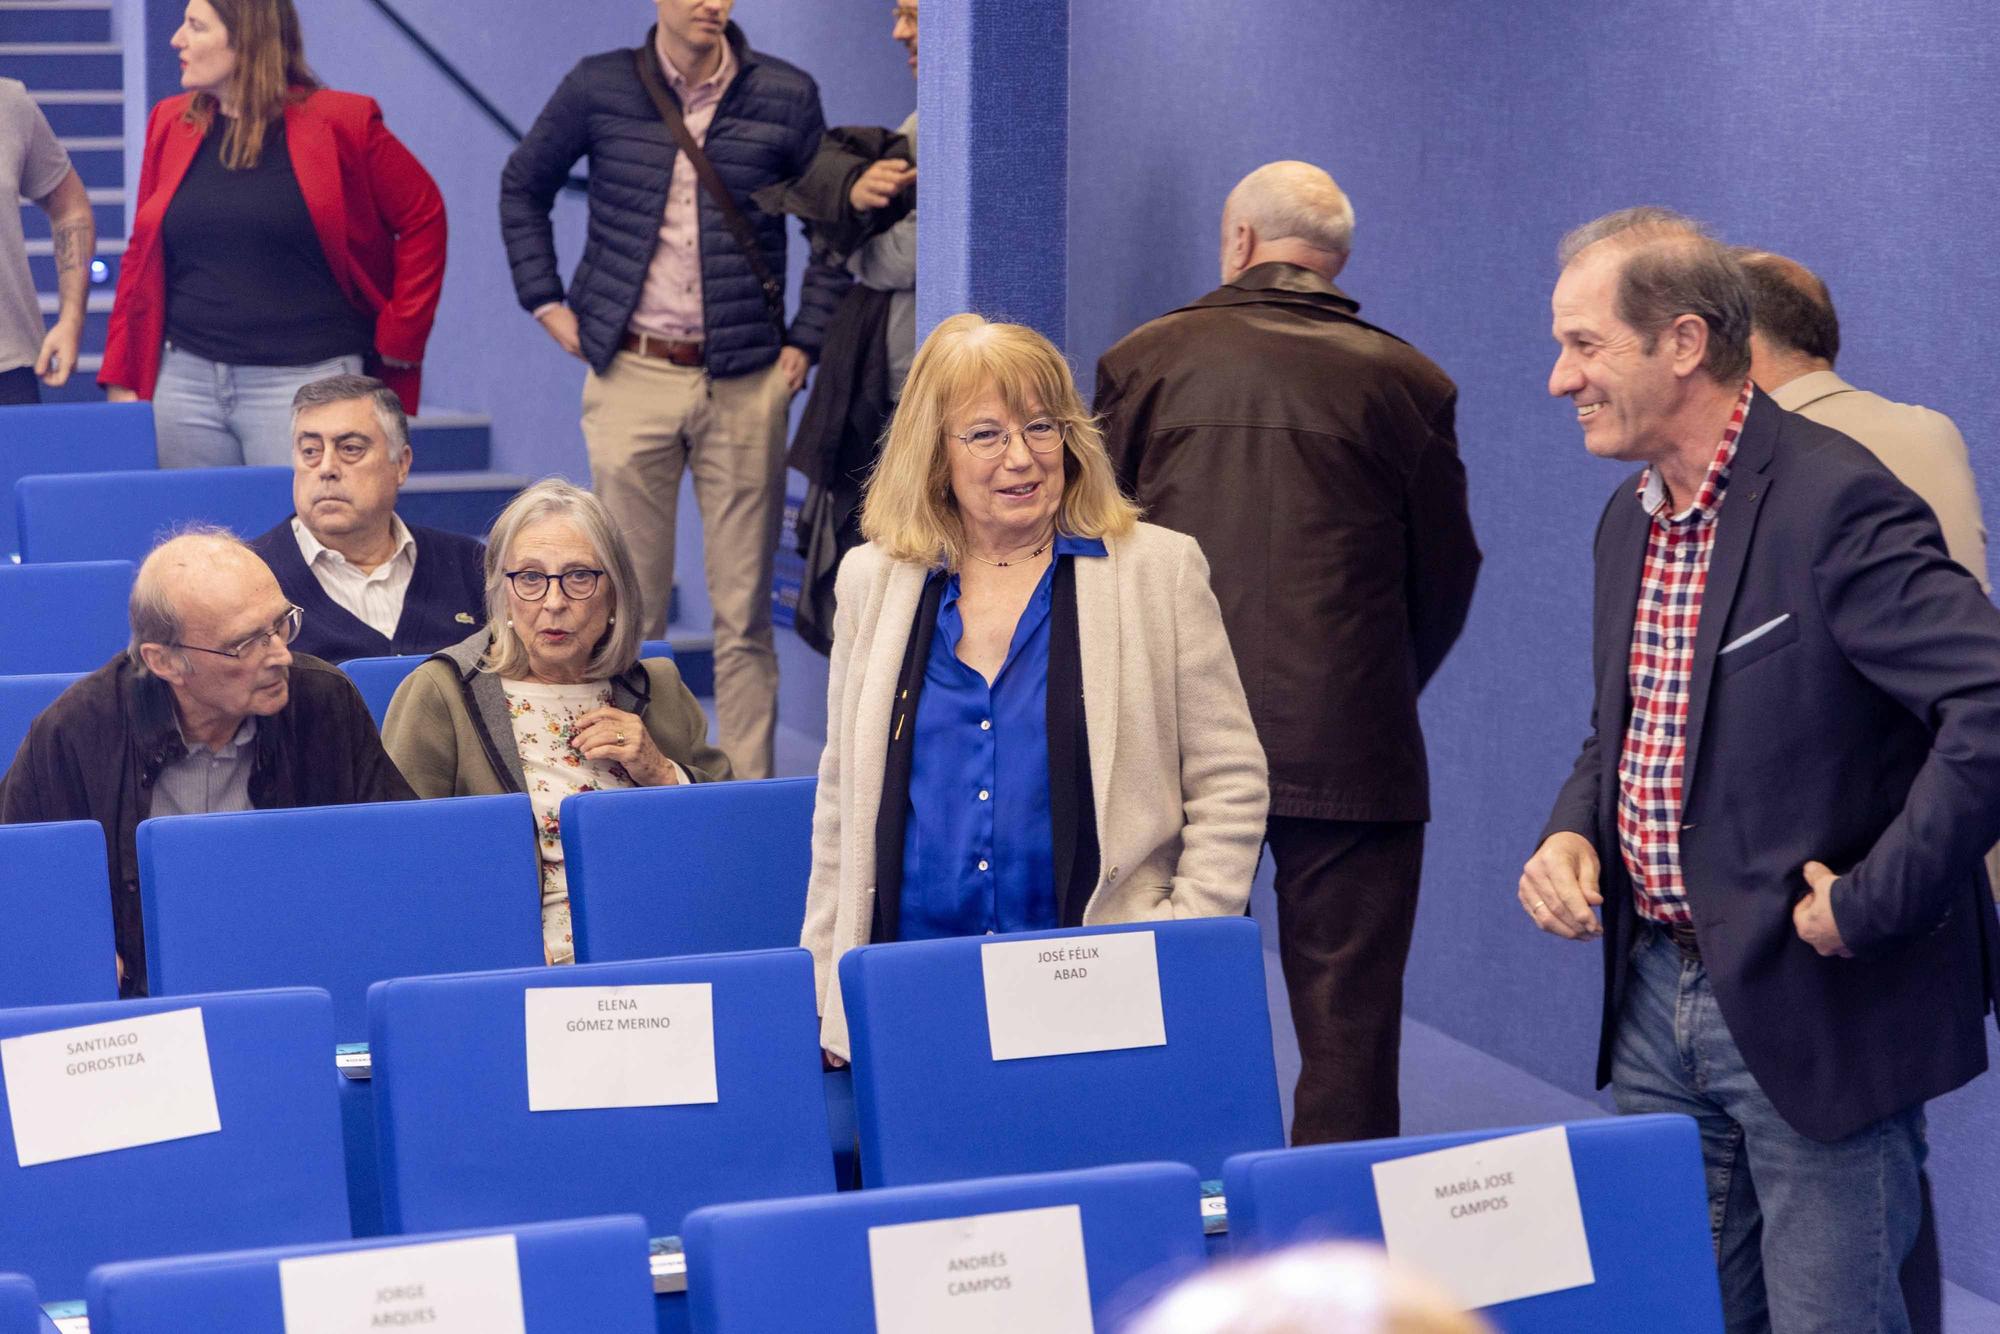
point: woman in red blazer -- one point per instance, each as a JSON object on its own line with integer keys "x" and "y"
{"x": 282, "y": 235}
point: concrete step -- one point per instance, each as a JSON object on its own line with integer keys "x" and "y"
{"x": 97, "y": 111}
{"x": 461, "y": 502}
{"x": 64, "y": 64}
{"x": 55, "y": 20}
{"x": 446, "y": 441}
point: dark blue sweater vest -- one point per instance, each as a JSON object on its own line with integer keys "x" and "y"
{"x": 446, "y": 600}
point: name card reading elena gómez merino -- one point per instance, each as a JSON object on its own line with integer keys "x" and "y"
{"x": 469, "y": 1286}
{"x": 982, "y": 1274}
{"x": 1062, "y": 995}
{"x": 638, "y": 1046}
{"x": 1493, "y": 1221}
{"x": 72, "y": 1092}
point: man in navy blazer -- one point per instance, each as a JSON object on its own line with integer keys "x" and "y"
{"x": 1792, "y": 771}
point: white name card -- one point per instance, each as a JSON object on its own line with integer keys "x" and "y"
{"x": 72, "y": 1092}
{"x": 1490, "y": 1222}
{"x": 446, "y": 1287}
{"x": 1059, "y": 996}
{"x": 982, "y": 1274}
{"x": 638, "y": 1046}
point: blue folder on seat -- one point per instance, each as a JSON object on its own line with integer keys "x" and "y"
{"x": 54, "y": 876}
{"x": 69, "y": 438}
{"x": 123, "y": 515}
{"x": 22, "y": 699}
{"x": 377, "y": 679}
{"x": 582, "y": 1276}
{"x": 933, "y": 1105}
{"x": 271, "y": 1175}
{"x": 63, "y": 617}
{"x": 757, "y": 1268}
{"x": 1645, "y": 1216}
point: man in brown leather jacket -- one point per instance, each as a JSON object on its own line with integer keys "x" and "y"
{"x": 1313, "y": 457}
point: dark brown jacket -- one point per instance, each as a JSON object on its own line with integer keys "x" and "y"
{"x": 1312, "y": 456}
{"x": 95, "y": 753}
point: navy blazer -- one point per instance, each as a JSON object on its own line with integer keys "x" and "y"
{"x": 1860, "y": 728}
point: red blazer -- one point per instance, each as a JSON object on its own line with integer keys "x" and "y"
{"x": 379, "y": 217}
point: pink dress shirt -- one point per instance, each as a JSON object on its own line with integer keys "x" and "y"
{"x": 670, "y": 300}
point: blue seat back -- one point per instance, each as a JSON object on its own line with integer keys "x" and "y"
{"x": 63, "y": 617}
{"x": 933, "y": 1105}
{"x": 1645, "y": 1213}
{"x": 582, "y": 1276}
{"x": 121, "y": 515}
{"x": 69, "y": 438}
{"x": 20, "y": 1312}
{"x": 54, "y": 876}
{"x": 754, "y": 1268}
{"x": 339, "y": 897}
{"x": 271, "y": 1175}
{"x": 22, "y": 699}
{"x": 656, "y": 648}
{"x": 702, "y": 868}
{"x": 459, "y": 1147}
{"x": 377, "y": 679}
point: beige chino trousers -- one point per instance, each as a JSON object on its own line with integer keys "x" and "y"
{"x": 647, "y": 421}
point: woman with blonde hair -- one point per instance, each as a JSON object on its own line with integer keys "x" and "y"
{"x": 1034, "y": 719}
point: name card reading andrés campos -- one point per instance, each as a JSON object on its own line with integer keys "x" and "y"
{"x": 637, "y": 1046}
{"x": 471, "y": 1286}
{"x": 1492, "y": 1222}
{"x": 1062, "y": 995}
{"x": 982, "y": 1274}
{"x": 72, "y": 1092}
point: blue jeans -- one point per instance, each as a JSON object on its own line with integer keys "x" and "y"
{"x": 1808, "y": 1236}
{"x": 207, "y": 414}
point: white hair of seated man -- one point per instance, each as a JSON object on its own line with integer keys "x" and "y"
{"x": 1321, "y": 1288}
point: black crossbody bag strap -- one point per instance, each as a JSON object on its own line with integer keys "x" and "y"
{"x": 704, "y": 170}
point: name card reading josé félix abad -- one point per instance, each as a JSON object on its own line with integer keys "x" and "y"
{"x": 1492, "y": 1222}
{"x": 72, "y": 1092}
{"x": 1063, "y": 995}
{"x": 637, "y": 1046}
{"x": 982, "y": 1274}
{"x": 472, "y": 1286}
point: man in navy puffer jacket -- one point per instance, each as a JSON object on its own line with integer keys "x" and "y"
{"x": 689, "y": 371}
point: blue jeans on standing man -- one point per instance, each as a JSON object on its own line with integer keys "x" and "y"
{"x": 207, "y": 414}
{"x": 1808, "y": 1236}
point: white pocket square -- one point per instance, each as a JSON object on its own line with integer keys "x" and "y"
{"x": 1762, "y": 630}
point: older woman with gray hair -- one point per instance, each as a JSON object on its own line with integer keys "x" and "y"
{"x": 551, "y": 698}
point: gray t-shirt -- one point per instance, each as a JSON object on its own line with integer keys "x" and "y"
{"x": 32, "y": 164}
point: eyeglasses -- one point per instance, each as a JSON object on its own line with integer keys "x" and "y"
{"x": 285, "y": 629}
{"x": 533, "y": 585}
{"x": 990, "y": 442}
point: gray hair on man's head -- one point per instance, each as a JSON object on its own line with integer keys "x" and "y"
{"x": 345, "y": 389}
{"x": 554, "y": 498}
{"x": 1674, "y": 267}
{"x": 150, "y": 609}
{"x": 1283, "y": 200}
{"x": 1320, "y": 1288}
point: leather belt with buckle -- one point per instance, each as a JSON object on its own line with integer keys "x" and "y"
{"x": 1683, "y": 937}
{"x": 678, "y": 351}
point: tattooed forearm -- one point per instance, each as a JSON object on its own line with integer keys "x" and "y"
{"x": 73, "y": 242}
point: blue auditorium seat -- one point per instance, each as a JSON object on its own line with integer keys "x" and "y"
{"x": 933, "y": 1105}
{"x": 1645, "y": 1214}
{"x": 753, "y": 1268}
{"x": 271, "y": 1176}
{"x": 122, "y": 515}
{"x": 69, "y": 438}
{"x": 22, "y": 699}
{"x": 63, "y": 617}
{"x": 702, "y": 868}
{"x": 656, "y": 648}
{"x": 377, "y": 679}
{"x": 586, "y": 1276}
{"x": 20, "y": 1312}
{"x": 54, "y": 876}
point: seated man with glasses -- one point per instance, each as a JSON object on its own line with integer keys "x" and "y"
{"x": 207, "y": 710}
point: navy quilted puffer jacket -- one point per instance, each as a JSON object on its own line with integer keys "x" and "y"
{"x": 766, "y": 130}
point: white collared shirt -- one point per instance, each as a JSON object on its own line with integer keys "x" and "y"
{"x": 375, "y": 597}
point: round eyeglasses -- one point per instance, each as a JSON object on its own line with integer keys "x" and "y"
{"x": 989, "y": 442}
{"x": 533, "y": 585}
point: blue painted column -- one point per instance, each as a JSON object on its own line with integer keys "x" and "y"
{"x": 993, "y": 162}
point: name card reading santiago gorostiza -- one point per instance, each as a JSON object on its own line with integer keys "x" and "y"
{"x": 470, "y": 1286}
{"x": 1068, "y": 994}
{"x": 651, "y": 1045}
{"x": 982, "y": 1274}
{"x": 73, "y": 1092}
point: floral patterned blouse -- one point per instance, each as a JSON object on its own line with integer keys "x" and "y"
{"x": 545, "y": 720}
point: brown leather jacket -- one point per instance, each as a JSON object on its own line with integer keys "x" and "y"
{"x": 1312, "y": 455}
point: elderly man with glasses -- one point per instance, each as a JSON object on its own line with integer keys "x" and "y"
{"x": 207, "y": 710}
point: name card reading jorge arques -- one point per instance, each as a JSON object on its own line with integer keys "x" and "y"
{"x": 1493, "y": 1221}
{"x": 72, "y": 1092}
{"x": 638, "y": 1046}
{"x": 470, "y": 1286}
{"x": 982, "y": 1274}
{"x": 1062, "y": 995}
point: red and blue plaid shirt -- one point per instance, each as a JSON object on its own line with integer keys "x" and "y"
{"x": 1650, "y": 776}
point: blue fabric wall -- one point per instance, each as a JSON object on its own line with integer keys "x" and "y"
{"x": 1853, "y": 134}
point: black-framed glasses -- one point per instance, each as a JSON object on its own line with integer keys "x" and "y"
{"x": 533, "y": 585}
{"x": 285, "y": 629}
{"x": 1044, "y": 435}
